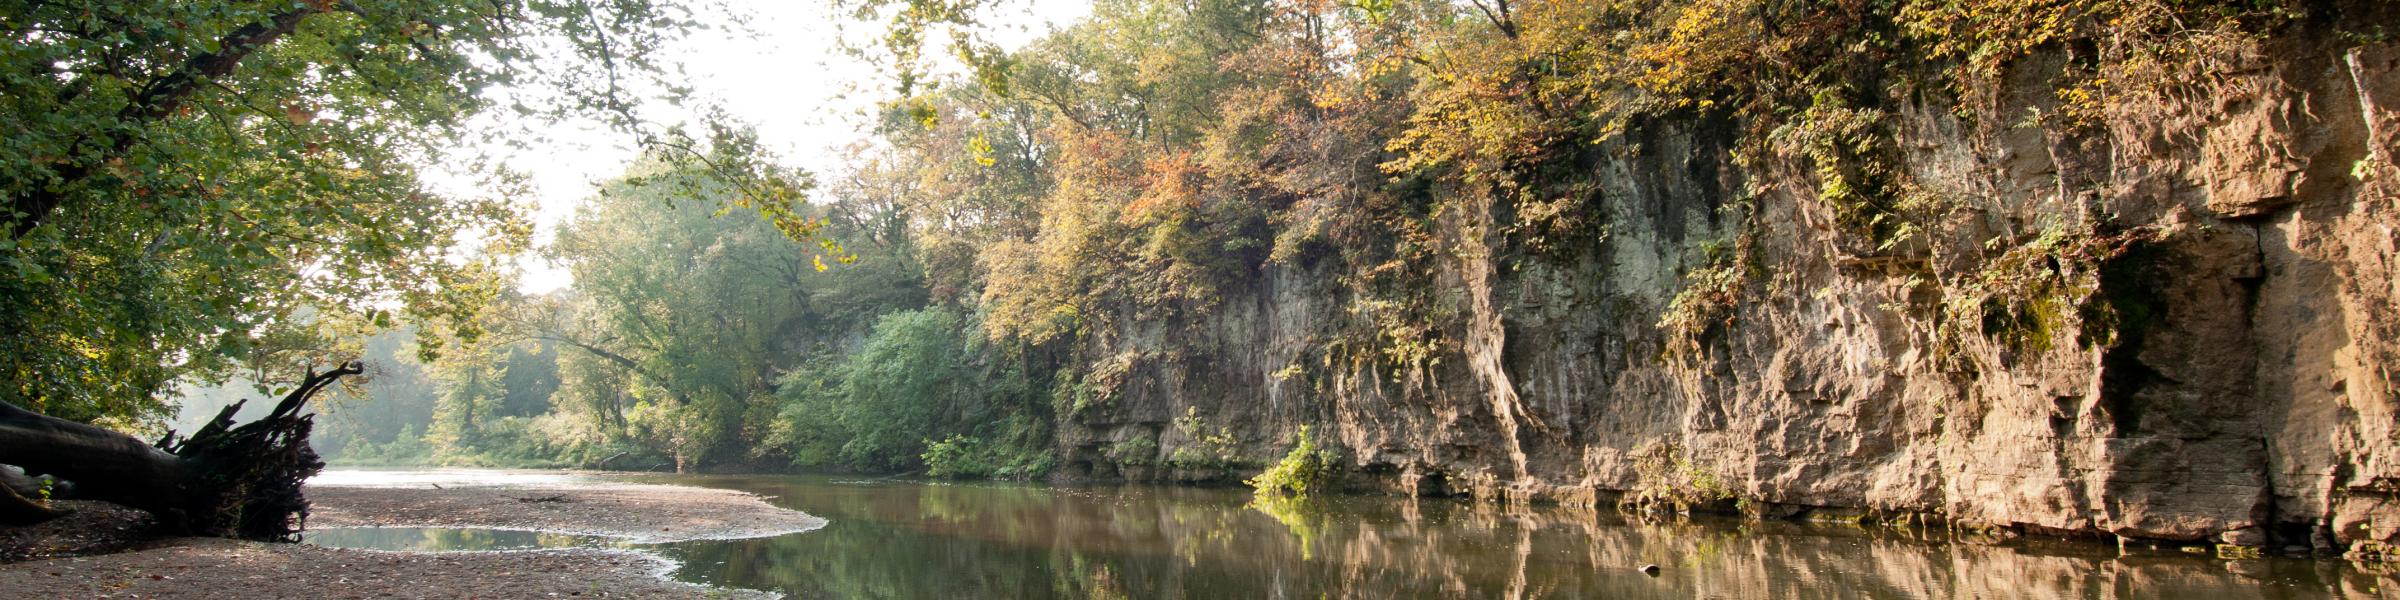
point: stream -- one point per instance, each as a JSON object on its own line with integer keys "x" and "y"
{"x": 905, "y": 538}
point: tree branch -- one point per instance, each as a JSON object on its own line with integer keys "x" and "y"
{"x": 1497, "y": 12}
{"x": 155, "y": 101}
{"x": 630, "y": 365}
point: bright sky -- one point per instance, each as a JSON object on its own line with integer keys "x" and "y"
{"x": 808, "y": 99}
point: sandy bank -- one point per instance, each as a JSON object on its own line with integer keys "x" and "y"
{"x": 640, "y": 513}
{"x": 229, "y": 569}
{"x": 212, "y": 568}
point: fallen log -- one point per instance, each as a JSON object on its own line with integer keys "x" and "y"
{"x": 221, "y": 481}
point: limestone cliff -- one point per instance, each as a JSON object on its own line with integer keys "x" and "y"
{"x": 2168, "y": 320}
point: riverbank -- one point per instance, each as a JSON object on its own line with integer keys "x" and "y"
{"x": 640, "y": 513}
{"x": 204, "y": 568}
{"x": 214, "y": 568}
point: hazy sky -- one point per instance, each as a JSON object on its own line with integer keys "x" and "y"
{"x": 791, "y": 80}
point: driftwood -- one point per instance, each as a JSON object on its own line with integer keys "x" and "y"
{"x": 221, "y": 481}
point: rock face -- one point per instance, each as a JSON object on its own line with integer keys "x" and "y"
{"x": 2175, "y": 322}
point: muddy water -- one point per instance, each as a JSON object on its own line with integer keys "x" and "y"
{"x": 893, "y": 538}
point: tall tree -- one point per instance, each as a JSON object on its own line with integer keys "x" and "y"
{"x": 181, "y": 177}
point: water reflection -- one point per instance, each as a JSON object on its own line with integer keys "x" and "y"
{"x": 449, "y": 539}
{"x": 918, "y": 540}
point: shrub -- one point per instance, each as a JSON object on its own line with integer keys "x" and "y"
{"x": 957, "y": 457}
{"x": 407, "y": 447}
{"x": 1137, "y": 450}
{"x": 1304, "y": 470}
{"x": 1209, "y": 448}
{"x": 964, "y": 457}
{"x": 1669, "y": 480}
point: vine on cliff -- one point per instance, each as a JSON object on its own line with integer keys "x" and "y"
{"x": 1706, "y": 306}
{"x": 2036, "y": 291}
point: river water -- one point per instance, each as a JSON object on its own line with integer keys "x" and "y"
{"x": 897, "y": 538}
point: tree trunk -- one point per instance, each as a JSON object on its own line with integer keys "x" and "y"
{"x": 222, "y": 481}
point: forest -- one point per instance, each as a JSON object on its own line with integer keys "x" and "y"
{"x": 1417, "y": 298}
{"x": 932, "y": 307}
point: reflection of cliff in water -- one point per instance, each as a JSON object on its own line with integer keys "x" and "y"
{"x": 910, "y": 539}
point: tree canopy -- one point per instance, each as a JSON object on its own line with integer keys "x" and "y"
{"x": 194, "y": 187}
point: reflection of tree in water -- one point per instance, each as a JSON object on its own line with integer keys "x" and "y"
{"x": 1295, "y": 513}
{"x": 1085, "y": 579}
{"x": 462, "y": 539}
{"x": 1206, "y": 531}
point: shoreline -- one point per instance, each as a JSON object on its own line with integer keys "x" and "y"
{"x": 580, "y": 504}
{"x": 636, "y": 512}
